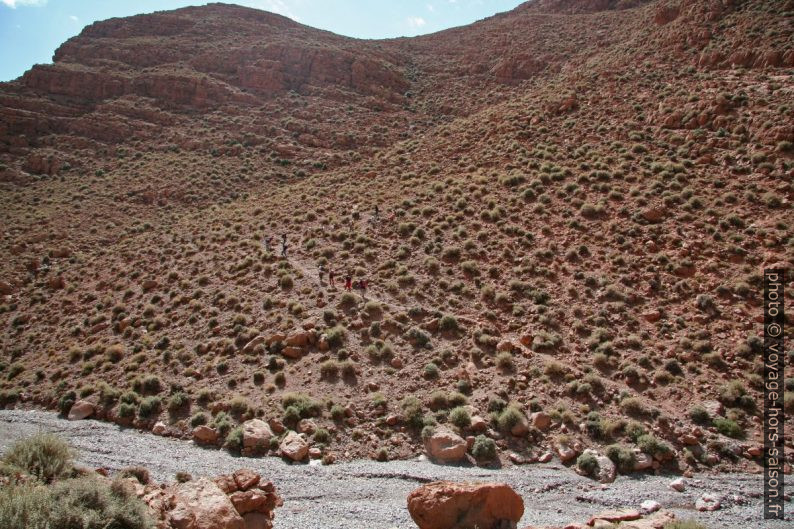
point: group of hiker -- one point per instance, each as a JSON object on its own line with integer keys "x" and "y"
{"x": 284, "y": 246}
{"x": 349, "y": 283}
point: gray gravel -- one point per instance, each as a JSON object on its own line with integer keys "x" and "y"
{"x": 372, "y": 495}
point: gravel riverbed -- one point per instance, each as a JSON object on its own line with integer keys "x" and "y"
{"x": 368, "y": 494}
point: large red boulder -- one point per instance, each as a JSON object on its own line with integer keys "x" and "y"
{"x": 449, "y": 505}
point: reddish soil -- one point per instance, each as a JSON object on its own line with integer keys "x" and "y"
{"x": 576, "y": 203}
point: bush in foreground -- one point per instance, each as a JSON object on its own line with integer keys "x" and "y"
{"x": 83, "y": 503}
{"x": 44, "y": 456}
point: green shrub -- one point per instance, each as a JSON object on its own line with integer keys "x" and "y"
{"x": 140, "y": 474}
{"x": 484, "y": 448}
{"x": 335, "y": 336}
{"x": 587, "y": 464}
{"x": 412, "y": 410}
{"x": 448, "y": 323}
{"x": 127, "y": 410}
{"x": 177, "y": 401}
{"x": 199, "y": 419}
{"x": 728, "y": 428}
{"x": 505, "y": 360}
{"x": 652, "y": 446}
{"x": 509, "y": 417}
{"x": 460, "y": 417}
{"x": 66, "y": 402}
{"x": 234, "y": 440}
{"x": 622, "y": 456}
{"x": 305, "y": 405}
{"x": 149, "y": 407}
{"x": 431, "y": 370}
{"x": 684, "y": 524}
{"x": 44, "y": 456}
{"x": 699, "y": 415}
{"x": 84, "y": 503}
{"x": 322, "y": 436}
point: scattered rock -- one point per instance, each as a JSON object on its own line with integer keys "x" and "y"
{"x": 708, "y": 502}
{"x": 649, "y": 506}
{"x": 541, "y": 421}
{"x": 294, "y": 447}
{"x": 448, "y": 505}
{"x": 200, "y": 504}
{"x": 256, "y": 435}
{"x": 678, "y": 485}
{"x": 445, "y": 446}
{"x": 621, "y": 515}
{"x": 82, "y": 409}
{"x": 205, "y": 435}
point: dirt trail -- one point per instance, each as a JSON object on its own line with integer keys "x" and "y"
{"x": 369, "y": 494}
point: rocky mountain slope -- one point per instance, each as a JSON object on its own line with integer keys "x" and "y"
{"x": 576, "y": 200}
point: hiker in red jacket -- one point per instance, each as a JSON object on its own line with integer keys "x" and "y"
{"x": 331, "y": 276}
{"x": 348, "y": 282}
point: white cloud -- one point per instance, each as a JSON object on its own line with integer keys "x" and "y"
{"x": 431, "y": 8}
{"x": 416, "y": 22}
{"x": 14, "y": 3}
{"x": 73, "y": 18}
{"x": 282, "y": 7}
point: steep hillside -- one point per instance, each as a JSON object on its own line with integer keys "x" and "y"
{"x": 575, "y": 203}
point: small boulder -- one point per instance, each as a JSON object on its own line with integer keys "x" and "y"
{"x": 708, "y": 502}
{"x": 541, "y": 421}
{"x": 245, "y": 478}
{"x": 678, "y": 485}
{"x": 448, "y": 505}
{"x": 205, "y": 435}
{"x": 200, "y": 504}
{"x": 445, "y": 446}
{"x": 294, "y": 447}
{"x": 82, "y": 409}
{"x": 650, "y": 506}
{"x": 566, "y": 453}
{"x": 614, "y": 517}
{"x": 256, "y": 435}
{"x": 159, "y": 428}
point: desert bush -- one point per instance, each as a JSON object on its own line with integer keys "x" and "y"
{"x": 728, "y": 428}
{"x": 622, "y": 456}
{"x": 699, "y": 415}
{"x": 335, "y": 336}
{"x": 140, "y": 474}
{"x": 431, "y": 370}
{"x": 303, "y": 404}
{"x": 44, "y": 456}
{"x": 652, "y": 445}
{"x": 509, "y": 417}
{"x": 684, "y": 524}
{"x": 484, "y": 448}
{"x": 504, "y": 360}
{"x": 412, "y": 410}
{"x": 460, "y": 417}
{"x": 84, "y": 503}
{"x": 587, "y": 464}
{"x": 149, "y": 406}
{"x": 234, "y": 440}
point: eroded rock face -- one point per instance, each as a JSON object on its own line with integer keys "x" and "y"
{"x": 449, "y": 505}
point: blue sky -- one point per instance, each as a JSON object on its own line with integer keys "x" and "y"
{"x": 31, "y": 30}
